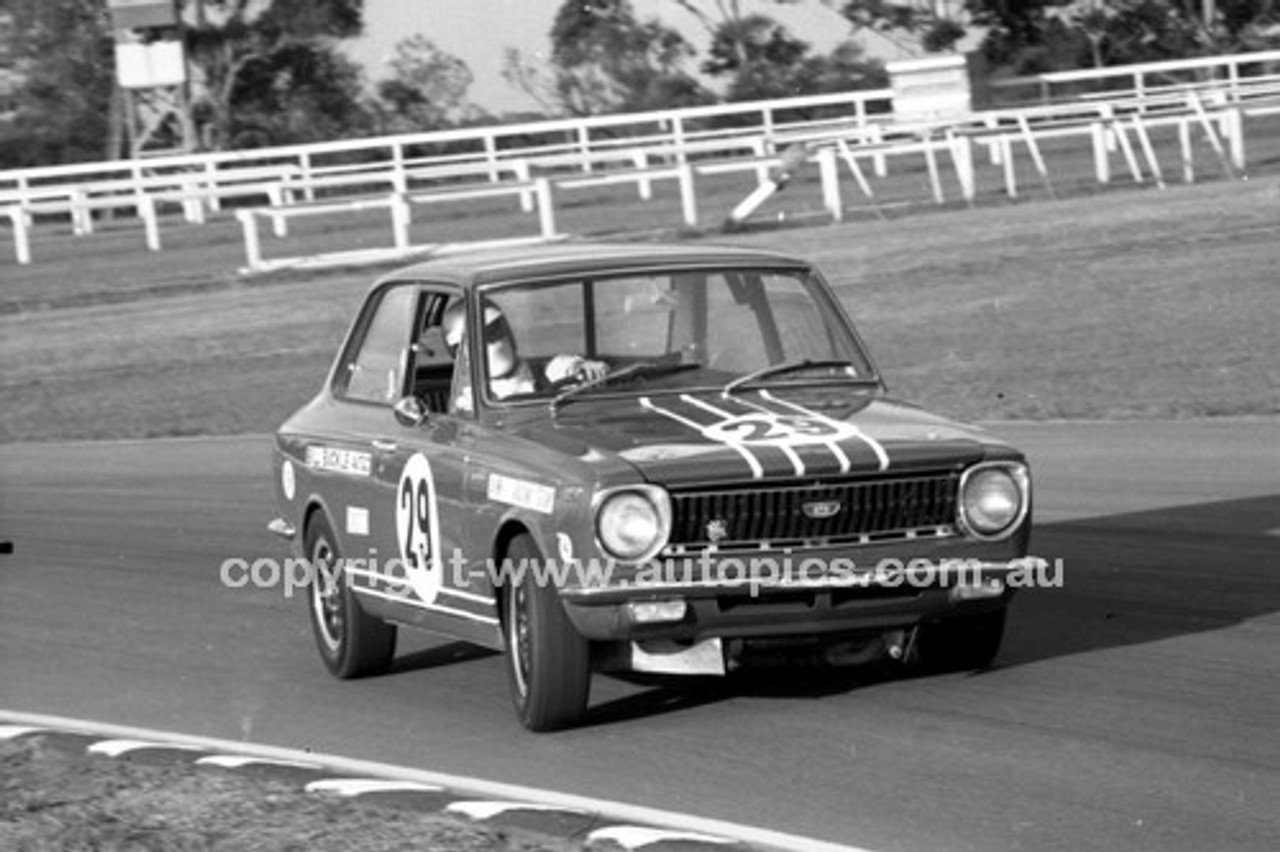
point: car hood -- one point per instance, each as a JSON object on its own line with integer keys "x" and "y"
{"x": 688, "y": 439}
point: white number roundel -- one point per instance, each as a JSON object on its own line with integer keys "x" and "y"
{"x": 417, "y": 528}
{"x": 765, "y": 428}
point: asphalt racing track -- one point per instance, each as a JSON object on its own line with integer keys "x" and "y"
{"x": 1135, "y": 708}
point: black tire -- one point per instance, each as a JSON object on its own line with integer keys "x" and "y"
{"x": 960, "y": 643}
{"x": 548, "y": 662}
{"x": 351, "y": 642}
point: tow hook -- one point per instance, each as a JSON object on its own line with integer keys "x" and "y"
{"x": 901, "y": 645}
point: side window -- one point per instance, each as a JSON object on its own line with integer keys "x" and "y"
{"x": 375, "y": 371}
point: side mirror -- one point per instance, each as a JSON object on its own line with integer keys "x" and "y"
{"x": 410, "y": 411}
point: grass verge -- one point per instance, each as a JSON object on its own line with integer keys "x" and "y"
{"x": 1131, "y": 304}
{"x": 56, "y": 798}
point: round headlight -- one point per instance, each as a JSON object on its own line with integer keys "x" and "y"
{"x": 991, "y": 500}
{"x": 629, "y": 525}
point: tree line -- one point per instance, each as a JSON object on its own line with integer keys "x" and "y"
{"x": 271, "y": 72}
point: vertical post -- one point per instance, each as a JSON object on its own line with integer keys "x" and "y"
{"x": 1188, "y": 157}
{"x": 879, "y": 162}
{"x": 309, "y": 190}
{"x": 21, "y": 219}
{"x": 830, "y": 184}
{"x": 400, "y": 220}
{"x": 1006, "y": 157}
{"x": 252, "y": 248}
{"x": 546, "y": 207}
{"x": 147, "y": 210}
{"x": 688, "y": 199}
{"x": 1234, "y": 117}
{"x": 522, "y": 172}
{"x": 81, "y": 215}
{"x": 678, "y": 137}
{"x": 1101, "y": 159}
{"x": 491, "y": 157}
{"x": 399, "y": 176}
{"x": 962, "y": 158}
{"x": 640, "y": 160}
{"x": 211, "y": 173}
{"x": 584, "y": 147}
{"x": 931, "y": 160}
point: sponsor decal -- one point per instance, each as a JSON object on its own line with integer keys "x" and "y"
{"x": 338, "y": 460}
{"x": 357, "y": 520}
{"x": 418, "y": 528}
{"x": 522, "y": 493}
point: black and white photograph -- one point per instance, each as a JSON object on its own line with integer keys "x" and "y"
{"x": 639, "y": 425}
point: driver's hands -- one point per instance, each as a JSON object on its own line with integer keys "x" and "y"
{"x": 564, "y": 367}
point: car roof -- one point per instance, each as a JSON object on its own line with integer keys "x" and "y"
{"x": 483, "y": 266}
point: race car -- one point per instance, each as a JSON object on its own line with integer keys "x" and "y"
{"x": 661, "y": 458}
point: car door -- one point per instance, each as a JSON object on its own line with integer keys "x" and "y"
{"x": 413, "y": 507}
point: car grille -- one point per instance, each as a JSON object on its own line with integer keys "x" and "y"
{"x": 751, "y": 517}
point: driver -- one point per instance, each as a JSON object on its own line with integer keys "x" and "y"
{"x": 509, "y": 374}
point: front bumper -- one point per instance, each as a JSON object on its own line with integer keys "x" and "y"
{"x": 873, "y": 589}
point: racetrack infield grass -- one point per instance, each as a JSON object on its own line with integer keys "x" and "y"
{"x": 1131, "y": 304}
{"x": 56, "y": 798}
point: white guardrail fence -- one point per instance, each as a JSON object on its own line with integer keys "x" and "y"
{"x": 536, "y": 162}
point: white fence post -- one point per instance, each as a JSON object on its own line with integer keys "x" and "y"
{"x": 252, "y": 248}
{"x": 1234, "y": 118}
{"x": 688, "y": 197}
{"x": 1188, "y": 156}
{"x": 400, "y": 217}
{"x": 829, "y": 171}
{"x": 21, "y": 220}
{"x": 147, "y": 210}
{"x": 1101, "y": 159}
{"x": 546, "y": 207}
{"x": 523, "y": 173}
{"x": 962, "y": 157}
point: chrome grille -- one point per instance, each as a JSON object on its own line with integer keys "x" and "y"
{"x": 751, "y": 516}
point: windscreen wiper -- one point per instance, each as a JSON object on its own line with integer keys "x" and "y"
{"x": 640, "y": 368}
{"x": 794, "y": 367}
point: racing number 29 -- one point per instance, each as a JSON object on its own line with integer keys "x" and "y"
{"x": 415, "y": 508}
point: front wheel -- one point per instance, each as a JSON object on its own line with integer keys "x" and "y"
{"x": 352, "y": 643}
{"x": 548, "y": 661}
{"x": 960, "y": 643}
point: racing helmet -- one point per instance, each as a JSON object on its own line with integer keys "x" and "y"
{"x": 500, "y": 344}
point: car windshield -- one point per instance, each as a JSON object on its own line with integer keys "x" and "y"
{"x": 670, "y": 330}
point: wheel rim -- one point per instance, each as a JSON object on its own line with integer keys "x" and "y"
{"x": 518, "y": 645}
{"x": 326, "y": 596}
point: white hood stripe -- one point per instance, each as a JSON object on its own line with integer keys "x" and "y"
{"x": 796, "y": 463}
{"x": 832, "y": 447}
{"x": 876, "y": 446}
{"x": 757, "y": 470}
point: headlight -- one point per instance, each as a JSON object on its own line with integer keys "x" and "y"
{"x": 993, "y": 499}
{"x": 632, "y": 523}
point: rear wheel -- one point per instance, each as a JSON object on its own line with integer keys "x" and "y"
{"x": 962, "y": 642}
{"x": 549, "y": 663}
{"x": 351, "y": 642}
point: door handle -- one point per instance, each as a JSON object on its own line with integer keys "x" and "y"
{"x": 383, "y": 445}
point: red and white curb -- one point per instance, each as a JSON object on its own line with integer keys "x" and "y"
{"x": 607, "y": 824}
